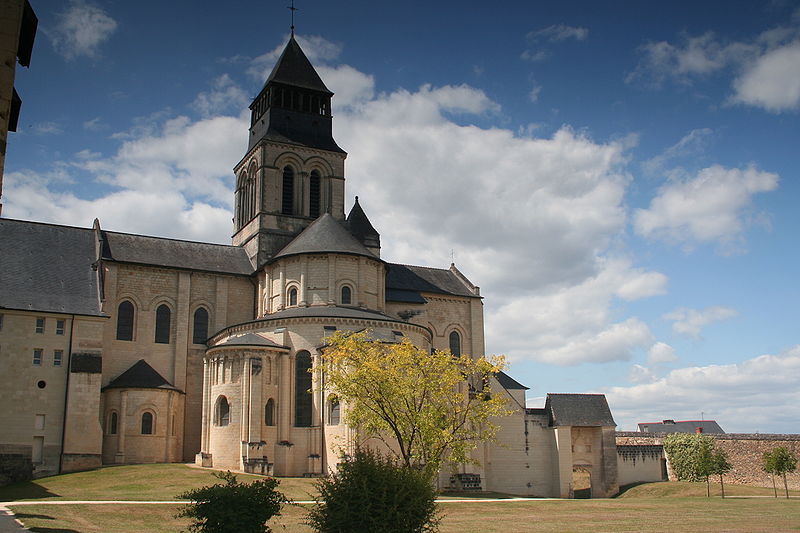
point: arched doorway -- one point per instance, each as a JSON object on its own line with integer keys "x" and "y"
{"x": 582, "y": 481}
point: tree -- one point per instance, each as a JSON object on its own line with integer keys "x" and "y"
{"x": 370, "y": 493}
{"x": 233, "y": 506}
{"x": 719, "y": 466}
{"x": 690, "y": 455}
{"x": 426, "y": 407}
{"x": 779, "y": 461}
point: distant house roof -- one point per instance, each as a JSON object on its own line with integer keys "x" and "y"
{"x": 509, "y": 383}
{"x": 578, "y": 410}
{"x": 157, "y": 251}
{"x": 681, "y": 426}
{"x": 49, "y": 268}
{"x": 325, "y": 235}
{"x": 424, "y": 279}
{"x": 140, "y": 376}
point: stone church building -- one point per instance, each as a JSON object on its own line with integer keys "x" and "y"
{"x": 120, "y": 348}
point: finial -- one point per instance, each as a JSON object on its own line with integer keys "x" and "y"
{"x": 292, "y": 9}
{"x": 356, "y": 199}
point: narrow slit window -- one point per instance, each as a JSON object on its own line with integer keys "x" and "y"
{"x": 287, "y": 198}
{"x": 162, "y": 324}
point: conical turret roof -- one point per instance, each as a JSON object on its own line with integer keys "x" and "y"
{"x": 325, "y": 235}
{"x": 361, "y": 228}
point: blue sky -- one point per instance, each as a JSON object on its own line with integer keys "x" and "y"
{"x": 620, "y": 178}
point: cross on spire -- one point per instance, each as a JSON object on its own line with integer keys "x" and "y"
{"x": 292, "y": 9}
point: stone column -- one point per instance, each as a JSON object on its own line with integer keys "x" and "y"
{"x": 123, "y": 427}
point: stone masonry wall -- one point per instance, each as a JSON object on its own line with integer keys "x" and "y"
{"x": 744, "y": 450}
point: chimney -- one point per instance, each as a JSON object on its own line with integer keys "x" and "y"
{"x": 698, "y": 430}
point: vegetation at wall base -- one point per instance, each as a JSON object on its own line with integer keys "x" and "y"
{"x": 694, "y": 457}
{"x": 371, "y": 493}
{"x": 233, "y": 506}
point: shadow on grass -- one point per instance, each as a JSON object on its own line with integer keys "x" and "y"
{"x": 26, "y": 516}
{"x": 465, "y": 494}
{"x": 625, "y": 488}
{"x": 25, "y": 490}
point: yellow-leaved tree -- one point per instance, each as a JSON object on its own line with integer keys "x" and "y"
{"x": 428, "y": 408}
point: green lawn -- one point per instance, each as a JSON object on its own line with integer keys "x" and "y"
{"x": 651, "y": 506}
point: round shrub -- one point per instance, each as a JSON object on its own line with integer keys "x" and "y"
{"x": 370, "y": 493}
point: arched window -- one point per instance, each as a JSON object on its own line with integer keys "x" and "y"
{"x": 147, "y": 423}
{"x": 314, "y": 196}
{"x": 241, "y": 199}
{"x": 302, "y": 390}
{"x": 251, "y": 190}
{"x": 287, "y": 203}
{"x": 455, "y": 343}
{"x": 347, "y": 295}
{"x": 125, "y": 321}
{"x": 112, "y": 423}
{"x": 162, "y": 324}
{"x": 334, "y": 410}
{"x": 222, "y": 412}
{"x": 292, "y": 296}
{"x": 200, "y": 329}
{"x": 269, "y": 413}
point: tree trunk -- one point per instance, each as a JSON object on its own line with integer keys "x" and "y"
{"x": 708, "y": 488}
{"x": 722, "y": 485}
{"x": 785, "y": 486}
{"x": 774, "y": 487}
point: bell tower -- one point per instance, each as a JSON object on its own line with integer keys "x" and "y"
{"x": 293, "y": 171}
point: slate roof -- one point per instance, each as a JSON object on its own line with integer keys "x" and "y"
{"x": 49, "y": 268}
{"x": 294, "y": 68}
{"x": 140, "y": 376}
{"x": 331, "y": 311}
{"x": 578, "y": 410}
{"x": 325, "y": 235}
{"x": 509, "y": 383}
{"x": 248, "y": 339}
{"x": 359, "y": 225}
{"x": 157, "y": 251}
{"x": 425, "y": 279}
{"x": 680, "y": 426}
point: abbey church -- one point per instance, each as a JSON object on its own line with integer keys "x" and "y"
{"x": 118, "y": 348}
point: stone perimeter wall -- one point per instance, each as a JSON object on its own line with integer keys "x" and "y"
{"x": 744, "y": 452}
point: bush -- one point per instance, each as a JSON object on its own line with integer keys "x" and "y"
{"x": 233, "y": 507}
{"x": 689, "y": 455}
{"x": 374, "y": 494}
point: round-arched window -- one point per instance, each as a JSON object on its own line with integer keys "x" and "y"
{"x": 292, "y": 296}
{"x": 222, "y": 412}
{"x": 347, "y": 295}
{"x": 455, "y": 343}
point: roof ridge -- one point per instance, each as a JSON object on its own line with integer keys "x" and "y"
{"x": 40, "y": 223}
{"x": 420, "y": 266}
{"x": 170, "y": 239}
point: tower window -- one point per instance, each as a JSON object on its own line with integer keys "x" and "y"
{"x": 222, "y": 412}
{"x": 112, "y": 423}
{"x": 147, "y": 423}
{"x": 125, "y": 316}
{"x": 302, "y": 392}
{"x": 347, "y": 295}
{"x": 334, "y": 410}
{"x": 314, "y": 195}
{"x": 269, "y": 413}
{"x": 200, "y": 330}
{"x": 162, "y": 324}
{"x": 287, "y": 205}
{"x": 455, "y": 343}
{"x": 292, "y": 296}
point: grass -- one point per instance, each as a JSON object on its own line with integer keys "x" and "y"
{"x": 651, "y": 506}
{"x": 159, "y": 482}
{"x": 683, "y": 489}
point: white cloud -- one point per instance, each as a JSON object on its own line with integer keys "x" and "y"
{"x": 616, "y": 343}
{"x": 551, "y": 34}
{"x": 81, "y": 29}
{"x": 225, "y": 96}
{"x": 559, "y": 32}
{"x": 641, "y": 374}
{"x": 708, "y": 207}
{"x": 691, "y": 145}
{"x": 95, "y": 124}
{"x": 759, "y": 394}
{"x": 691, "y": 321}
{"x": 661, "y": 352}
{"x": 48, "y": 128}
{"x": 534, "y": 94}
{"x": 772, "y": 81}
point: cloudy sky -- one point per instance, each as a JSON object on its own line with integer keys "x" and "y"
{"x": 620, "y": 178}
